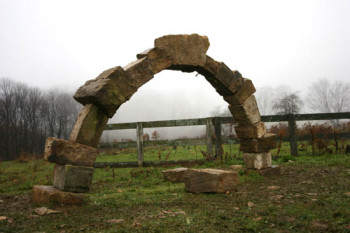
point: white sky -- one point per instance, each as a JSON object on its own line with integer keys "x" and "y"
{"x": 61, "y": 43}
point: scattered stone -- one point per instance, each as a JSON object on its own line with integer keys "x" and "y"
{"x": 43, "y": 210}
{"x": 312, "y": 194}
{"x": 273, "y": 187}
{"x": 307, "y": 182}
{"x": 108, "y": 91}
{"x": 210, "y": 180}
{"x": 277, "y": 197}
{"x": 116, "y": 221}
{"x": 185, "y": 49}
{"x": 247, "y": 113}
{"x": 257, "y": 160}
{"x": 175, "y": 175}
{"x": 347, "y": 194}
{"x": 274, "y": 170}
{"x": 89, "y": 126}
{"x": 44, "y": 194}
{"x": 66, "y": 152}
{"x": 256, "y": 130}
{"x": 242, "y": 94}
{"x": 236, "y": 167}
{"x": 3, "y": 218}
{"x": 72, "y": 178}
{"x": 250, "y": 204}
{"x": 259, "y": 145}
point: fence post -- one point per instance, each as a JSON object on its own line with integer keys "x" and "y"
{"x": 217, "y": 129}
{"x": 209, "y": 138}
{"x": 139, "y": 137}
{"x": 292, "y": 127}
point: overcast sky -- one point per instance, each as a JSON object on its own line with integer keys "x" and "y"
{"x": 59, "y": 43}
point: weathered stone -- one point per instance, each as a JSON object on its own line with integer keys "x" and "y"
{"x": 65, "y": 152}
{"x": 231, "y": 79}
{"x": 242, "y": 94}
{"x": 139, "y": 72}
{"x": 257, "y": 160}
{"x": 274, "y": 170}
{"x": 89, "y": 126}
{"x": 257, "y": 145}
{"x": 175, "y": 175}
{"x": 44, "y": 194}
{"x": 247, "y": 113}
{"x": 72, "y": 178}
{"x": 251, "y": 131}
{"x": 210, "y": 180}
{"x": 159, "y": 58}
{"x": 185, "y": 49}
{"x": 108, "y": 91}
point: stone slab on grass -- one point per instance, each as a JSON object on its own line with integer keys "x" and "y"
{"x": 175, "y": 175}
{"x": 210, "y": 180}
{"x": 45, "y": 194}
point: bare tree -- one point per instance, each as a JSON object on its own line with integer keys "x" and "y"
{"x": 327, "y": 97}
{"x": 265, "y": 96}
{"x": 288, "y": 104}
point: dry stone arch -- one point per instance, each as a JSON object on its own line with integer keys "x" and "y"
{"x": 103, "y": 96}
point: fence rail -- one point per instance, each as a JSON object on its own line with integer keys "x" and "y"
{"x": 213, "y": 125}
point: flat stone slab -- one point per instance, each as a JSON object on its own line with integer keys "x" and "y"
{"x": 45, "y": 194}
{"x": 210, "y": 180}
{"x": 175, "y": 175}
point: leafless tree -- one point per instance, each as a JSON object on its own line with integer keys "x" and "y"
{"x": 288, "y": 104}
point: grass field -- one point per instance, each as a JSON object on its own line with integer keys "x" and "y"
{"x": 311, "y": 195}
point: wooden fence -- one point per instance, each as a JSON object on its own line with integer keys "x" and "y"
{"x": 213, "y": 125}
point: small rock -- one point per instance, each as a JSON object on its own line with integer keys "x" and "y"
{"x": 306, "y": 182}
{"x": 116, "y": 220}
{"x": 347, "y": 194}
{"x": 273, "y": 187}
{"x": 250, "y": 204}
{"x": 277, "y": 197}
{"x": 44, "y": 210}
{"x": 312, "y": 194}
{"x": 3, "y": 218}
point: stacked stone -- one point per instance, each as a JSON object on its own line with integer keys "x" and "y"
{"x": 103, "y": 96}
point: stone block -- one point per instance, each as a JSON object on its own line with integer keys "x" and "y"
{"x": 42, "y": 194}
{"x": 159, "y": 58}
{"x": 210, "y": 180}
{"x": 274, "y": 170}
{"x": 108, "y": 91}
{"x": 257, "y": 145}
{"x": 66, "y": 152}
{"x": 89, "y": 126}
{"x": 175, "y": 175}
{"x": 257, "y": 130}
{"x": 185, "y": 49}
{"x": 247, "y": 113}
{"x": 72, "y": 178}
{"x": 257, "y": 160}
{"x": 242, "y": 94}
{"x": 139, "y": 72}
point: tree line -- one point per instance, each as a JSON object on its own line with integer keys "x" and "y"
{"x": 29, "y": 115}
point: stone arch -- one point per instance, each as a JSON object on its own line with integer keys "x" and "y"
{"x": 103, "y": 96}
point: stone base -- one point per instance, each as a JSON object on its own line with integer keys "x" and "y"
{"x": 210, "y": 180}
{"x": 257, "y": 160}
{"x": 175, "y": 175}
{"x": 72, "y": 178}
{"x": 274, "y": 170}
{"x": 45, "y": 194}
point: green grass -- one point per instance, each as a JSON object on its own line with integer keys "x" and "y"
{"x": 311, "y": 198}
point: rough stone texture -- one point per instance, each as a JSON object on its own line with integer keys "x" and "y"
{"x": 44, "y": 194}
{"x": 257, "y": 130}
{"x": 247, "y": 113}
{"x": 159, "y": 58}
{"x": 175, "y": 175}
{"x": 72, "y": 178}
{"x": 139, "y": 72}
{"x": 108, "y": 91}
{"x": 274, "y": 170}
{"x": 210, "y": 180}
{"x": 257, "y": 160}
{"x": 65, "y": 152}
{"x": 257, "y": 145}
{"x": 242, "y": 94}
{"x": 89, "y": 126}
{"x": 185, "y": 49}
